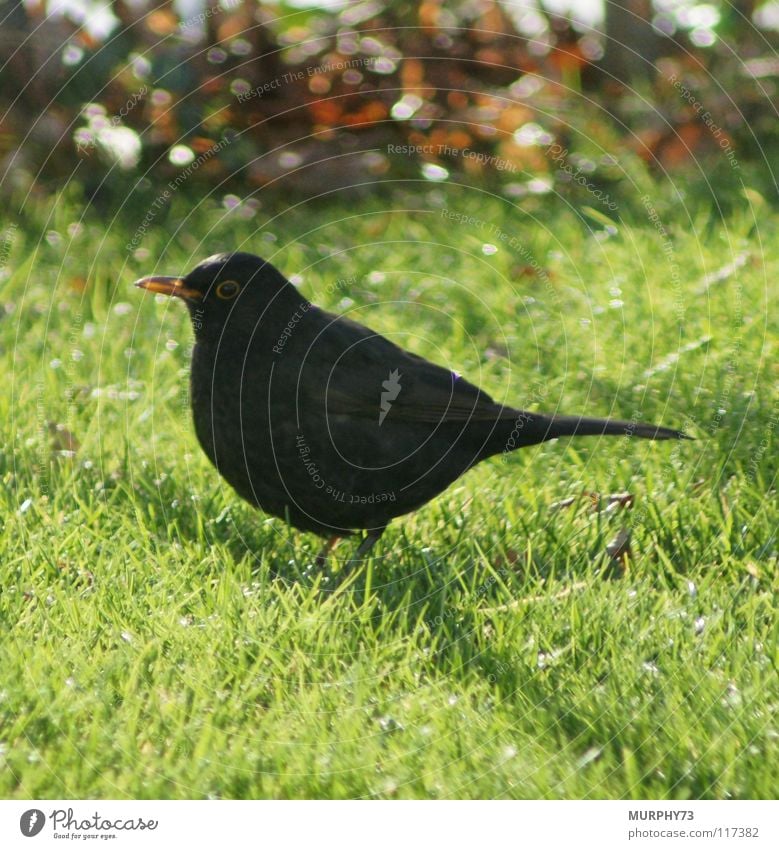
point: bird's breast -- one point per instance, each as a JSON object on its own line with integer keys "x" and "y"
{"x": 226, "y": 390}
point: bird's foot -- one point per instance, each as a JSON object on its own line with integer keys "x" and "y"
{"x": 330, "y": 544}
{"x": 371, "y": 538}
{"x": 330, "y": 582}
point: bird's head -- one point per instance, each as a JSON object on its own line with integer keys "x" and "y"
{"x": 234, "y": 288}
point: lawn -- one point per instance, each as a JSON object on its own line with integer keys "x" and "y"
{"x": 163, "y": 639}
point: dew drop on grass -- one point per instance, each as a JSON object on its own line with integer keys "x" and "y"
{"x": 290, "y": 159}
{"x": 181, "y": 155}
{"x": 384, "y": 65}
{"x": 539, "y": 186}
{"x": 240, "y": 86}
{"x": 515, "y": 190}
{"x": 532, "y": 134}
{"x": 389, "y": 787}
{"x": 732, "y": 696}
{"x": 589, "y": 756}
{"x": 434, "y": 172}
{"x": 240, "y": 47}
{"x": 389, "y": 724}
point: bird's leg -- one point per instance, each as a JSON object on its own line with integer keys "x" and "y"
{"x": 371, "y": 538}
{"x": 329, "y": 545}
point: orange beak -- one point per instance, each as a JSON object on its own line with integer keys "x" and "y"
{"x": 173, "y": 286}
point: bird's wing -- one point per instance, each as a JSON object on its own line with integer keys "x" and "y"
{"x": 365, "y": 374}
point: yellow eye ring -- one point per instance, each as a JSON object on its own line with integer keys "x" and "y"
{"x": 227, "y": 289}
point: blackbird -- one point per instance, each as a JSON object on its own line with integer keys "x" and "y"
{"x": 326, "y": 424}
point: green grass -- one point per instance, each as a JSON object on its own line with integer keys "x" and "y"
{"x": 163, "y": 639}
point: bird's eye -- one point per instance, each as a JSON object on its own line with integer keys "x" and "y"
{"x": 227, "y": 289}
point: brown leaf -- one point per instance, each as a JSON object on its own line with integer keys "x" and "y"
{"x": 569, "y": 502}
{"x": 531, "y": 271}
{"x": 511, "y": 558}
{"x": 534, "y": 599}
{"x": 619, "y": 499}
{"x": 63, "y": 442}
{"x": 619, "y": 549}
{"x": 610, "y": 503}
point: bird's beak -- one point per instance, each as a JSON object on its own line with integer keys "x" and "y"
{"x": 169, "y": 286}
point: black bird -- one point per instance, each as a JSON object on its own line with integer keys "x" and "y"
{"x": 326, "y": 424}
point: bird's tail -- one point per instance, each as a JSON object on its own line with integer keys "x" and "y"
{"x": 550, "y": 427}
{"x": 517, "y": 429}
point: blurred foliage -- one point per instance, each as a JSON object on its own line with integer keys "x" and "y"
{"x": 245, "y": 95}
